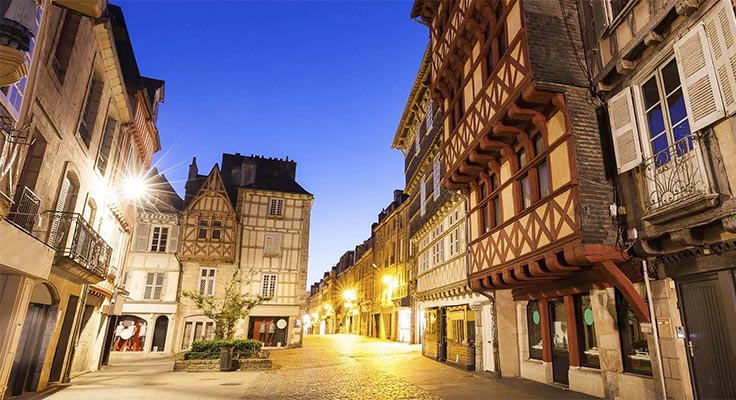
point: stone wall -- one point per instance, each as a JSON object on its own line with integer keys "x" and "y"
{"x": 214, "y": 365}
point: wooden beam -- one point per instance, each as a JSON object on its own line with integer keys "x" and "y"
{"x": 480, "y": 158}
{"x": 521, "y": 114}
{"x": 531, "y": 95}
{"x": 460, "y": 178}
{"x": 502, "y": 130}
{"x": 624, "y": 285}
{"x": 467, "y": 168}
{"x": 572, "y": 332}
{"x": 488, "y": 144}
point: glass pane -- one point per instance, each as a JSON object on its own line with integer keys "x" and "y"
{"x": 559, "y": 329}
{"x": 534, "y": 320}
{"x": 498, "y": 218}
{"x": 543, "y": 180}
{"x": 526, "y": 192}
{"x": 676, "y": 106}
{"x": 659, "y": 147}
{"x": 655, "y": 121}
{"x": 522, "y": 159}
{"x": 650, "y": 93}
{"x": 671, "y": 77}
{"x": 538, "y": 145}
{"x": 586, "y": 331}
{"x": 494, "y": 182}
{"x": 187, "y": 335}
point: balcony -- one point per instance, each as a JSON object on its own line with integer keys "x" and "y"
{"x": 80, "y": 251}
{"x": 21, "y": 251}
{"x": 677, "y": 181}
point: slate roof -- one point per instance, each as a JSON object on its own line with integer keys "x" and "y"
{"x": 162, "y": 196}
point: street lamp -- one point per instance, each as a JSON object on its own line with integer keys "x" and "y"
{"x": 134, "y": 187}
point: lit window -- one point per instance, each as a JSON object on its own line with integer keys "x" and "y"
{"x": 634, "y": 344}
{"x": 534, "y": 328}
{"x": 588, "y": 343}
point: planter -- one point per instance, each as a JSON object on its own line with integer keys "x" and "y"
{"x": 244, "y": 364}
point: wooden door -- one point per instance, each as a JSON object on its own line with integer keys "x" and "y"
{"x": 29, "y": 350}
{"x": 709, "y": 312}
{"x": 559, "y": 340}
{"x": 159, "y": 333}
{"x": 64, "y": 337}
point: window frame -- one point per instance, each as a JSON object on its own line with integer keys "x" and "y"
{"x": 531, "y": 326}
{"x": 151, "y": 295}
{"x": 154, "y": 242}
{"x": 268, "y": 285}
{"x": 586, "y": 360}
{"x": 625, "y": 336}
{"x": 276, "y": 207}
{"x": 206, "y": 278}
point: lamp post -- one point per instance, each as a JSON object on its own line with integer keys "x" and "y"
{"x": 349, "y": 296}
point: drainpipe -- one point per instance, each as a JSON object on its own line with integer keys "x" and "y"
{"x": 655, "y": 330}
{"x": 490, "y": 295}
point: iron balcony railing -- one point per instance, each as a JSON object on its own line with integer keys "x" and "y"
{"x": 74, "y": 238}
{"x": 25, "y": 211}
{"x": 676, "y": 173}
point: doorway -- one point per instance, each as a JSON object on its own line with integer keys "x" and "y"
{"x": 709, "y": 313}
{"x": 64, "y": 337}
{"x": 489, "y": 361}
{"x": 160, "y": 329}
{"x": 560, "y": 352}
{"x": 24, "y": 374}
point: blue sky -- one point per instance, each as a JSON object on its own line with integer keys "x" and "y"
{"x": 323, "y": 83}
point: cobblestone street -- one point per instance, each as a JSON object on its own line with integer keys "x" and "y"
{"x": 327, "y": 367}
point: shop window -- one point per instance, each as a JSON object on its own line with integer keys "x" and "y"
{"x": 534, "y": 328}
{"x": 634, "y": 347}
{"x": 587, "y": 341}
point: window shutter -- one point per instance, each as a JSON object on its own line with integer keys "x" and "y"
{"x": 698, "y": 79}
{"x": 624, "y": 131}
{"x": 720, "y": 27}
{"x": 171, "y": 247}
{"x": 144, "y": 231}
{"x": 422, "y": 195}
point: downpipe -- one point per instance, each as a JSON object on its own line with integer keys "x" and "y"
{"x": 655, "y": 329}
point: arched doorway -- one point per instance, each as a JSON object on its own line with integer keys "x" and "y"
{"x": 159, "y": 333}
{"x": 38, "y": 322}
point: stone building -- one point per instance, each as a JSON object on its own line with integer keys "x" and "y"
{"x": 521, "y": 142}
{"x": 70, "y": 128}
{"x": 393, "y": 318}
{"x": 665, "y": 75}
{"x": 452, "y": 321}
{"x": 151, "y": 274}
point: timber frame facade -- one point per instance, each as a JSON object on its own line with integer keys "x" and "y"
{"x": 521, "y": 143}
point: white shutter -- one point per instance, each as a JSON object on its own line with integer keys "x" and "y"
{"x": 702, "y": 100}
{"x": 436, "y": 178}
{"x": 720, "y": 27}
{"x": 624, "y": 131}
{"x": 171, "y": 247}
{"x": 142, "y": 235}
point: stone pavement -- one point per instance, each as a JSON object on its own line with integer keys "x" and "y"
{"x": 327, "y": 367}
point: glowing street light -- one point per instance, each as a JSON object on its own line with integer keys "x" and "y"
{"x": 134, "y": 188}
{"x": 349, "y": 295}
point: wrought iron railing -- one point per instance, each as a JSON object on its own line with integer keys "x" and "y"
{"x": 24, "y": 213}
{"x": 74, "y": 238}
{"x": 676, "y": 173}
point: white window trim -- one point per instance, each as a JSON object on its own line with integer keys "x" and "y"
{"x": 158, "y": 245}
{"x": 268, "y": 281}
{"x": 279, "y": 209}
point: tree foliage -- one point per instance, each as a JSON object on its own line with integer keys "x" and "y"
{"x": 227, "y": 310}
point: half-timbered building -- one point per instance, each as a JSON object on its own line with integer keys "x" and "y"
{"x": 666, "y": 75}
{"x": 274, "y": 213}
{"x": 448, "y": 313}
{"x": 208, "y": 245}
{"x": 521, "y": 143}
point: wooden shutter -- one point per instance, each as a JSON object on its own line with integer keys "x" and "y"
{"x": 172, "y": 246}
{"x": 698, "y": 78}
{"x": 720, "y": 27}
{"x": 624, "y": 131}
{"x": 142, "y": 235}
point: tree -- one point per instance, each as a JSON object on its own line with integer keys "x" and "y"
{"x": 226, "y": 311}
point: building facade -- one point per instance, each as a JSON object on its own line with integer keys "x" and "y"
{"x": 451, "y": 323}
{"x": 521, "y": 142}
{"x": 666, "y": 75}
{"x": 67, "y": 231}
{"x": 151, "y": 274}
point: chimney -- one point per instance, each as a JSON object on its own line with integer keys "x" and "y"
{"x": 193, "y": 170}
